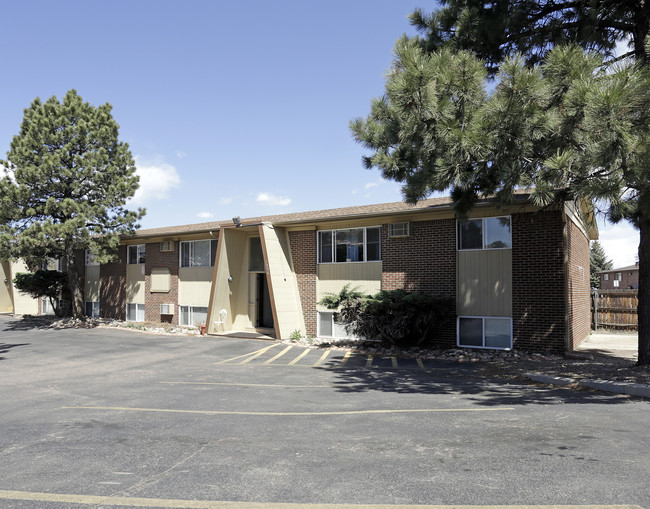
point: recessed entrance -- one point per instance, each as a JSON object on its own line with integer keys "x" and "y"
{"x": 259, "y": 300}
{"x": 263, "y": 303}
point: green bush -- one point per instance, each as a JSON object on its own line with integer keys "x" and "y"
{"x": 394, "y": 317}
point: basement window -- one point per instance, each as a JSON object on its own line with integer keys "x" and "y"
{"x": 485, "y": 332}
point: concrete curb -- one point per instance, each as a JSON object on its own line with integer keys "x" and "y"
{"x": 630, "y": 389}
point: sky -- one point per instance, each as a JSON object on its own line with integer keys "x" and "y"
{"x": 229, "y": 108}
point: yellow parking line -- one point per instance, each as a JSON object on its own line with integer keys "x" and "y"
{"x": 322, "y": 358}
{"x": 67, "y": 498}
{"x": 393, "y": 360}
{"x": 369, "y": 361}
{"x": 299, "y": 357}
{"x": 292, "y": 414}
{"x": 278, "y": 355}
{"x": 256, "y": 353}
{"x": 420, "y": 363}
{"x": 345, "y": 358}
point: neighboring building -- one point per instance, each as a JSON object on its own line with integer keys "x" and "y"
{"x": 623, "y": 278}
{"x": 519, "y": 275}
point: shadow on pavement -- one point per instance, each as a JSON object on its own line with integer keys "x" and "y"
{"x": 449, "y": 378}
{"x": 5, "y": 347}
{"x": 29, "y": 323}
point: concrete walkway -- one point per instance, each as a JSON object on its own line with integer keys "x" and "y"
{"x": 621, "y": 344}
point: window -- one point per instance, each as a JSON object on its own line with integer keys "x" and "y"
{"x": 92, "y": 309}
{"x": 485, "y": 233}
{"x": 90, "y": 259}
{"x": 328, "y": 328}
{"x": 350, "y": 245}
{"x": 485, "y": 332}
{"x": 193, "y": 315}
{"x": 618, "y": 276}
{"x": 606, "y": 277}
{"x": 198, "y": 253}
{"x": 134, "y": 312}
{"x": 135, "y": 254}
{"x": 398, "y": 230}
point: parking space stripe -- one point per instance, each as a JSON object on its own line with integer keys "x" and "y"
{"x": 288, "y": 414}
{"x": 299, "y": 357}
{"x": 420, "y": 363}
{"x": 98, "y": 500}
{"x": 254, "y": 354}
{"x": 322, "y": 358}
{"x": 345, "y": 358}
{"x": 269, "y": 361}
{"x": 393, "y": 361}
{"x": 369, "y": 361}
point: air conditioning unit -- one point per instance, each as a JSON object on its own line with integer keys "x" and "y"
{"x": 167, "y": 245}
{"x": 166, "y": 309}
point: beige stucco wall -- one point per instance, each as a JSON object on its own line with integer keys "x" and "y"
{"x": 91, "y": 284}
{"x": 484, "y": 282}
{"x": 332, "y": 277}
{"x": 135, "y": 283}
{"x": 6, "y": 286}
{"x": 285, "y": 301}
{"x": 23, "y": 303}
{"x": 194, "y": 285}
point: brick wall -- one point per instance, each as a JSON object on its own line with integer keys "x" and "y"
{"x": 539, "y": 281}
{"x": 424, "y": 261}
{"x": 303, "y": 253}
{"x": 156, "y": 259}
{"x": 579, "y": 285}
{"x": 629, "y": 280}
{"x": 112, "y": 287}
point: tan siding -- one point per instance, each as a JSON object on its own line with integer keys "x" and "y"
{"x": 485, "y": 282}
{"x": 161, "y": 280}
{"x": 23, "y": 303}
{"x": 91, "y": 284}
{"x": 332, "y": 277}
{"x": 194, "y": 285}
{"x": 135, "y": 280}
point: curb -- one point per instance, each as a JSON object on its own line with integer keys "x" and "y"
{"x": 630, "y": 389}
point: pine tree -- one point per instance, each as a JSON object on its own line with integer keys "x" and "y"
{"x": 570, "y": 126}
{"x": 67, "y": 179}
{"x": 598, "y": 262}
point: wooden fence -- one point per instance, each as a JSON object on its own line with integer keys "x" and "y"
{"x": 615, "y": 309}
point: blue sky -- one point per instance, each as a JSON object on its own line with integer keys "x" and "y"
{"x": 230, "y": 108}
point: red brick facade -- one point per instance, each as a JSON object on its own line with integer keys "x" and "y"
{"x": 303, "y": 253}
{"x": 157, "y": 259}
{"x": 112, "y": 288}
{"x": 424, "y": 261}
{"x": 579, "y": 292}
{"x": 539, "y": 295}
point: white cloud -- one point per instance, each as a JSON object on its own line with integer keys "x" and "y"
{"x": 225, "y": 201}
{"x": 156, "y": 180}
{"x": 620, "y": 242}
{"x": 271, "y": 199}
{"x": 205, "y": 215}
{"x": 371, "y": 184}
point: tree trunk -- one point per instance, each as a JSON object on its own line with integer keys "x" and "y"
{"x": 74, "y": 285}
{"x": 644, "y": 290}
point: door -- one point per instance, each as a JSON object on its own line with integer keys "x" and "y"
{"x": 264, "y": 311}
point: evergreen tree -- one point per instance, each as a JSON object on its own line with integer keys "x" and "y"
{"x": 598, "y": 262}
{"x": 570, "y": 126}
{"x": 67, "y": 179}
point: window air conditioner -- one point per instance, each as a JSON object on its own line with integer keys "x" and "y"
{"x": 166, "y": 309}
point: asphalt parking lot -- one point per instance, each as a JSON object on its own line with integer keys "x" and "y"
{"x": 103, "y": 418}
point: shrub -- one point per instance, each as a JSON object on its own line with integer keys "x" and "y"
{"x": 394, "y": 317}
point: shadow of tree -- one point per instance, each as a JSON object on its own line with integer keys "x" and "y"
{"x": 5, "y": 347}
{"x": 464, "y": 380}
{"x": 29, "y": 323}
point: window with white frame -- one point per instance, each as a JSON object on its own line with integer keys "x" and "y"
{"x": 484, "y": 233}
{"x": 135, "y": 254}
{"x": 618, "y": 276}
{"x": 328, "y": 328}
{"x": 90, "y": 258}
{"x": 134, "y": 312}
{"x": 349, "y": 245}
{"x": 198, "y": 253}
{"x": 92, "y": 309}
{"x": 485, "y": 332}
{"x": 193, "y": 315}
{"x": 606, "y": 277}
{"x": 398, "y": 230}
